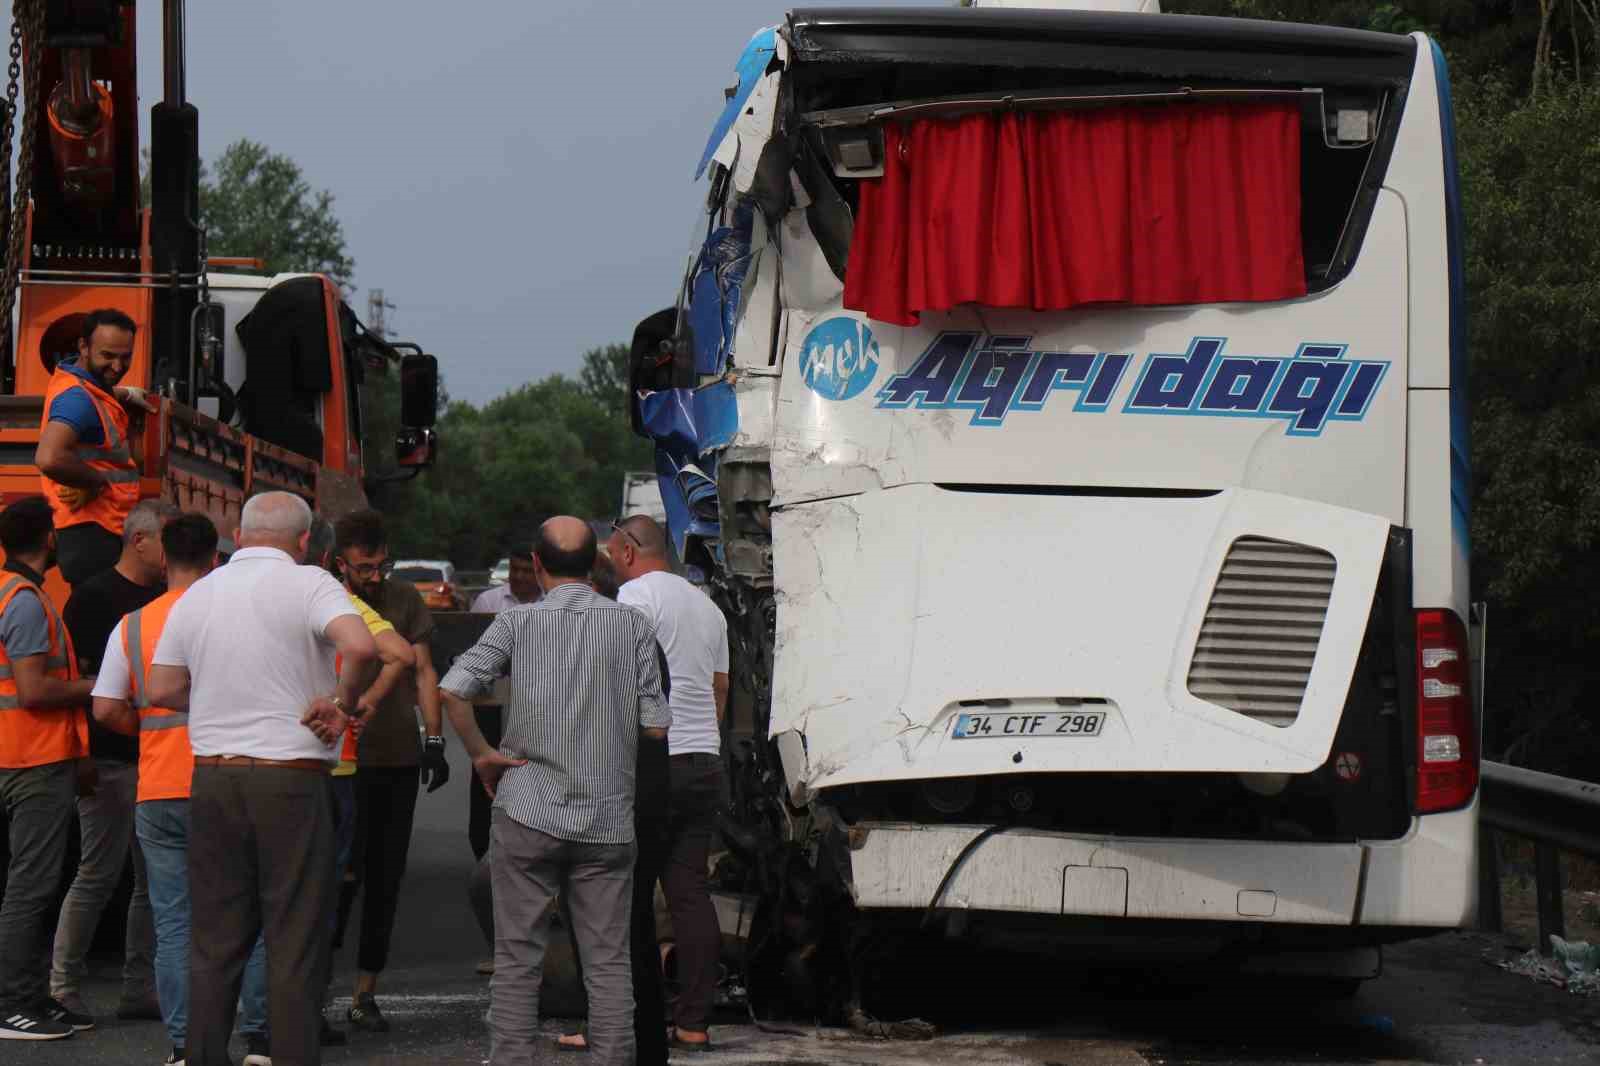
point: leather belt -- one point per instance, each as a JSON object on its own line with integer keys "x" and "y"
{"x": 314, "y": 765}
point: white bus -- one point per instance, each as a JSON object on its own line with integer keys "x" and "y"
{"x": 1069, "y": 408}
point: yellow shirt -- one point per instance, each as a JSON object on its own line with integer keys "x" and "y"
{"x": 375, "y": 625}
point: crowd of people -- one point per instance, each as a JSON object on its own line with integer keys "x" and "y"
{"x": 253, "y": 736}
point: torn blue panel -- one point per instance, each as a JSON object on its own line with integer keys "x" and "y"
{"x": 672, "y": 501}
{"x": 716, "y": 416}
{"x": 719, "y": 275}
{"x": 668, "y": 417}
{"x": 751, "y": 66}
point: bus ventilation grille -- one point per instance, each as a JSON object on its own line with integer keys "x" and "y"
{"x": 1261, "y": 629}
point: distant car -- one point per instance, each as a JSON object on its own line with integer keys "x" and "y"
{"x": 435, "y": 579}
{"x": 501, "y": 573}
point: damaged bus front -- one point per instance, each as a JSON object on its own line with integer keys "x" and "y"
{"x": 1068, "y": 410}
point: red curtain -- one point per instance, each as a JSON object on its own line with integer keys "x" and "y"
{"x": 1050, "y": 210}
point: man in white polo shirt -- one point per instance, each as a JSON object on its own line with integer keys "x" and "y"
{"x": 694, "y": 634}
{"x": 248, "y": 653}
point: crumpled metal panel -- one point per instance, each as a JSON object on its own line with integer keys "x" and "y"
{"x": 715, "y": 289}
{"x": 761, "y": 50}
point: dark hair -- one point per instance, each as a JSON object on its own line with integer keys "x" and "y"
{"x": 604, "y": 577}
{"x": 523, "y": 552}
{"x": 567, "y": 562}
{"x": 106, "y": 316}
{"x": 361, "y": 529}
{"x": 25, "y": 526}
{"x": 190, "y": 541}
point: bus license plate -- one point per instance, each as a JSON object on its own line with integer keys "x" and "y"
{"x": 1049, "y": 724}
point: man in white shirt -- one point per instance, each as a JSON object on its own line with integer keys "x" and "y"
{"x": 520, "y": 588}
{"x": 694, "y": 635}
{"x": 248, "y": 654}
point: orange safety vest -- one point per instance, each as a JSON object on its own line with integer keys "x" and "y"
{"x": 166, "y": 762}
{"x": 31, "y": 737}
{"x": 111, "y": 456}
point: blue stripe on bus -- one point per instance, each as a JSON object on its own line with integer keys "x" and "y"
{"x": 1460, "y": 426}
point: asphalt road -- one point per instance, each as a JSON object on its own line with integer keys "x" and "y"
{"x": 1439, "y": 1001}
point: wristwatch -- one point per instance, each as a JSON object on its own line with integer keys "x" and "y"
{"x": 344, "y": 708}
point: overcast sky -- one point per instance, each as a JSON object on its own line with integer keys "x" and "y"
{"x": 516, "y": 176}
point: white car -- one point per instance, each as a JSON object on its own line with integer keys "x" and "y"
{"x": 501, "y": 573}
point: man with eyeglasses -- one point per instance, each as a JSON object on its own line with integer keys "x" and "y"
{"x": 694, "y": 634}
{"x": 391, "y": 760}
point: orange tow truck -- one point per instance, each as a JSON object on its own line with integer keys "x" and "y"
{"x": 255, "y": 378}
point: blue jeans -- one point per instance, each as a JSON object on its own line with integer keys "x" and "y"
{"x": 163, "y": 828}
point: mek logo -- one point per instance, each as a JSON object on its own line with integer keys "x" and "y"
{"x": 838, "y": 358}
{"x": 995, "y": 376}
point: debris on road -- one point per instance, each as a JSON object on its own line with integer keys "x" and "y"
{"x": 1574, "y": 966}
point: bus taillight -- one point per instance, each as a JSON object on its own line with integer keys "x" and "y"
{"x": 1447, "y": 735}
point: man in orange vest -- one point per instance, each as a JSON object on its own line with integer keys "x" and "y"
{"x": 166, "y": 764}
{"x": 43, "y": 734}
{"x": 85, "y": 462}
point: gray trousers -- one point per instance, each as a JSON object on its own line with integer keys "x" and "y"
{"x": 261, "y": 862}
{"x": 529, "y": 869}
{"x": 38, "y": 806}
{"x": 105, "y": 830}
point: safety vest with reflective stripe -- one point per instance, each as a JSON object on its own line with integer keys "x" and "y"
{"x": 31, "y": 737}
{"x": 166, "y": 762}
{"x": 112, "y": 456}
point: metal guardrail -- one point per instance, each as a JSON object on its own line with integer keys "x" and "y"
{"x": 1555, "y": 813}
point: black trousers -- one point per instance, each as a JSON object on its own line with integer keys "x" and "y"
{"x": 386, "y": 806}
{"x": 261, "y": 856}
{"x": 478, "y": 802}
{"x": 697, "y": 786}
{"x": 86, "y": 549}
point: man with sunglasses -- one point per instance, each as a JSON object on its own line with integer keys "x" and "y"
{"x": 694, "y": 634}
{"x": 390, "y": 758}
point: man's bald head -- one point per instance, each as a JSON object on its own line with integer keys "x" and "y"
{"x": 275, "y": 520}
{"x": 647, "y": 534}
{"x": 566, "y": 548}
{"x": 638, "y": 545}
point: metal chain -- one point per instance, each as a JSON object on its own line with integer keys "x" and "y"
{"x": 27, "y": 23}
{"x": 8, "y": 129}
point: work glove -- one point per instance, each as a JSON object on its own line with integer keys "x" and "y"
{"x": 133, "y": 396}
{"x": 435, "y": 771}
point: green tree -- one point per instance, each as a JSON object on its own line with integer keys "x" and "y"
{"x": 604, "y": 376}
{"x": 256, "y": 202}
{"x": 259, "y": 205}
{"x": 1531, "y": 191}
{"x": 555, "y": 446}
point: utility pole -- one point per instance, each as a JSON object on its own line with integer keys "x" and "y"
{"x": 377, "y": 307}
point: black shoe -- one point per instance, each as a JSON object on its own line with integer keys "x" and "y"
{"x": 258, "y": 1052}
{"x": 331, "y": 1037}
{"x": 364, "y": 1014}
{"x": 179, "y": 1057}
{"x": 139, "y": 1010}
{"x": 31, "y": 1025}
{"x": 57, "y": 1011}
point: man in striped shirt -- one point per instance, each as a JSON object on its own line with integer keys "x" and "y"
{"x": 584, "y": 686}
